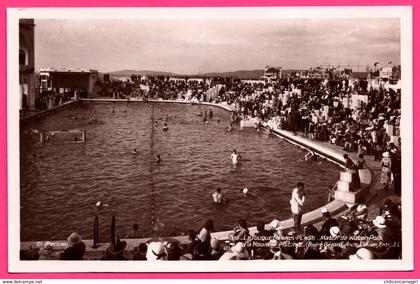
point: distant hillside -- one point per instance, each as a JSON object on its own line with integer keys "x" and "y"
{"x": 128, "y": 73}
{"x": 240, "y": 74}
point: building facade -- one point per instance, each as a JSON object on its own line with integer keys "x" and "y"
{"x": 27, "y": 79}
{"x": 80, "y": 82}
{"x": 272, "y": 73}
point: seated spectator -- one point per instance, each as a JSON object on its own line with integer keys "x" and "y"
{"x": 237, "y": 252}
{"x": 204, "y": 235}
{"x": 115, "y": 251}
{"x": 201, "y": 251}
{"x": 216, "y": 249}
{"x": 383, "y": 232}
{"x": 260, "y": 240}
{"x": 361, "y": 254}
{"x": 361, "y": 211}
{"x": 30, "y": 254}
{"x": 309, "y": 248}
{"x": 174, "y": 251}
{"x": 261, "y": 231}
{"x": 156, "y": 251}
{"x": 328, "y": 222}
{"x": 76, "y": 248}
{"x": 47, "y": 252}
{"x": 192, "y": 241}
{"x": 140, "y": 252}
{"x": 275, "y": 252}
{"x": 240, "y": 232}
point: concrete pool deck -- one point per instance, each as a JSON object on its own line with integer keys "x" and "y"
{"x": 328, "y": 151}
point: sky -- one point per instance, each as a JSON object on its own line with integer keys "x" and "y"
{"x": 193, "y": 46}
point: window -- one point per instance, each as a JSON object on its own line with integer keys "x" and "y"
{"x": 22, "y": 57}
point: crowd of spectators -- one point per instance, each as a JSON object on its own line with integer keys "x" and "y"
{"x": 49, "y": 99}
{"x": 351, "y": 236}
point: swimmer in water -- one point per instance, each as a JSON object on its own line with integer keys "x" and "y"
{"x": 218, "y": 120}
{"x": 258, "y": 127}
{"x": 158, "y": 159}
{"x": 245, "y": 191}
{"x": 229, "y": 127}
{"x": 218, "y": 196}
{"x": 165, "y": 127}
{"x": 310, "y": 156}
{"x": 235, "y": 157}
{"x": 100, "y": 205}
{"x": 134, "y": 151}
{"x": 210, "y": 114}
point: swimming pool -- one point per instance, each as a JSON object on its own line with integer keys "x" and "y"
{"x": 61, "y": 182}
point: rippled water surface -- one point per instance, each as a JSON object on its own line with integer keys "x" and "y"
{"x": 61, "y": 182}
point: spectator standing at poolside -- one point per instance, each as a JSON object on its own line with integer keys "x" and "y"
{"x": 331, "y": 192}
{"x": 361, "y": 162}
{"x": 134, "y": 233}
{"x": 204, "y": 235}
{"x": 386, "y": 170}
{"x": 296, "y": 203}
{"x": 351, "y": 167}
{"x": 396, "y": 168}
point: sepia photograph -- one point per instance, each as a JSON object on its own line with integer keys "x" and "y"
{"x": 180, "y": 139}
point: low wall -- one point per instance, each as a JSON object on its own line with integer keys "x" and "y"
{"x": 48, "y": 111}
{"x": 335, "y": 207}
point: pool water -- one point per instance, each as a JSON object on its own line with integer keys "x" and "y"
{"x": 61, "y": 182}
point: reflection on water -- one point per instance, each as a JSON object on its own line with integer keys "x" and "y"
{"x": 61, "y": 182}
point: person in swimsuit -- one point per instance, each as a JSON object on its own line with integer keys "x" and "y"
{"x": 235, "y": 157}
{"x": 218, "y": 196}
